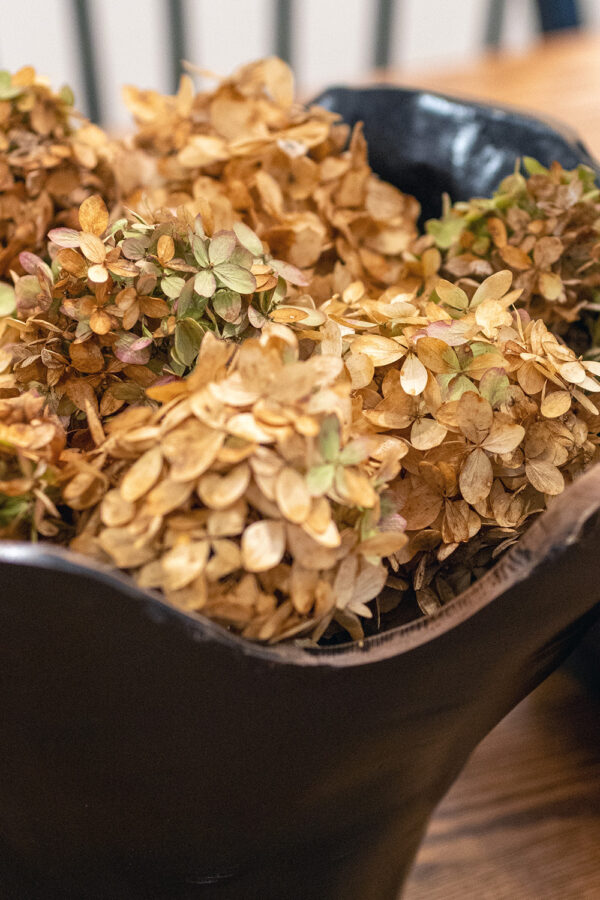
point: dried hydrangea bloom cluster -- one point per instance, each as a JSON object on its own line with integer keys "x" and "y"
{"x": 275, "y": 410}
{"x": 492, "y": 409}
{"x": 31, "y": 442}
{"x": 543, "y": 227}
{"x": 47, "y": 168}
{"x": 125, "y": 304}
{"x": 244, "y": 494}
{"x": 246, "y": 151}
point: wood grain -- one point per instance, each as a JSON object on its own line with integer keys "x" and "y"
{"x": 523, "y": 820}
{"x": 558, "y": 78}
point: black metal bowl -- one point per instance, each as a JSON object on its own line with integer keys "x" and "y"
{"x": 150, "y": 754}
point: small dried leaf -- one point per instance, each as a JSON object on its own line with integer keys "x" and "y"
{"x": 494, "y": 287}
{"x": 248, "y": 239}
{"x": 205, "y": 283}
{"x": 65, "y": 237}
{"x": 165, "y": 249}
{"x": 383, "y": 544}
{"x": 221, "y": 247}
{"x": 515, "y": 257}
{"x": 222, "y": 491}
{"x": 451, "y": 295}
{"x": 86, "y": 357}
{"x": 236, "y": 278}
{"x": 437, "y": 355}
{"x": 115, "y": 510}
{"x": 504, "y": 437}
{"x": 183, "y": 563}
{"x": 72, "y": 262}
{"x": 124, "y": 550}
{"x": 573, "y": 372}
{"x": 361, "y": 369}
{"x": 474, "y": 416}
{"x": 167, "y": 496}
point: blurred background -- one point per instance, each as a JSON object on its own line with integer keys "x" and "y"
{"x": 98, "y": 45}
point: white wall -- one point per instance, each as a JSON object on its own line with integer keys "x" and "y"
{"x": 332, "y": 38}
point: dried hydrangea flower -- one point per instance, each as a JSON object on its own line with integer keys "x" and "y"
{"x": 47, "y": 166}
{"x": 544, "y": 228}
{"x": 125, "y": 304}
{"x": 244, "y": 495}
{"x": 494, "y": 409}
{"x": 31, "y": 441}
{"x": 316, "y": 420}
{"x": 247, "y": 151}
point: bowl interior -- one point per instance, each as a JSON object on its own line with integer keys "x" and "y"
{"x": 427, "y": 144}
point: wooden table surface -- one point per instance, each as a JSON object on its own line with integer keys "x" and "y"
{"x": 523, "y": 820}
{"x": 559, "y": 78}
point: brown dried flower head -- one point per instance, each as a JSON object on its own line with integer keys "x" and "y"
{"x": 244, "y": 495}
{"x": 494, "y": 408}
{"x": 128, "y": 303}
{"x": 47, "y": 166}
{"x": 31, "y": 442}
{"x": 247, "y": 151}
{"x": 544, "y": 228}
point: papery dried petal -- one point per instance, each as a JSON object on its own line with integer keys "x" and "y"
{"x": 475, "y": 479}
{"x": 263, "y": 545}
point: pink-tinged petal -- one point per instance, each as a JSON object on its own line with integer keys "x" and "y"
{"x": 133, "y": 350}
{"x": 291, "y": 273}
{"x": 166, "y": 379}
{"x": 522, "y": 314}
{"x": 30, "y": 262}
{"x": 393, "y": 522}
{"x": 452, "y": 333}
{"x": 65, "y": 237}
{"x": 221, "y": 247}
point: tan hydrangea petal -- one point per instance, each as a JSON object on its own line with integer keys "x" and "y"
{"x": 555, "y": 404}
{"x": 263, "y": 545}
{"x": 143, "y": 475}
{"x": 476, "y": 477}
{"x": 544, "y": 476}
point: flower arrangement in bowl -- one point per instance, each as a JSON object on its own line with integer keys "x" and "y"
{"x": 342, "y": 462}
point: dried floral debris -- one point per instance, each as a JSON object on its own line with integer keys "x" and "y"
{"x": 244, "y": 495}
{"x": 48, "y": 164}
{"x": 544, "y": 227}
{"x": 31, "y": 443}
{"x": 495, "y": 411}
{"x": 125, "y": 304}
{"x": 246, "y": 151}
{"x": 255, "y": 388}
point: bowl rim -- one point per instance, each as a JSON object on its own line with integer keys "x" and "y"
{"x": 567, "y": 132}
{"x": 556, "y": 528}
{"x": 553, "y": 530}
